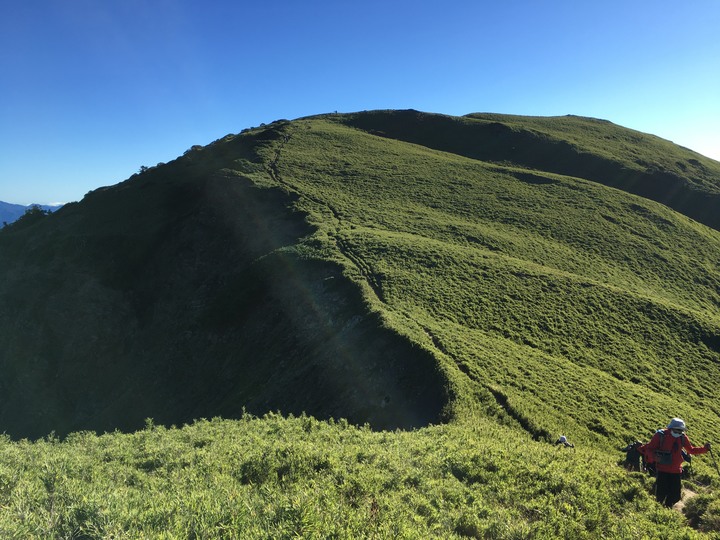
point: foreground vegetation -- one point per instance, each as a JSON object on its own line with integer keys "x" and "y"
{"x": 520, "y": 302}
{"x": 276, "y": 477}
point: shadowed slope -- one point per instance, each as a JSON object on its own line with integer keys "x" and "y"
{"x": 166, "y": 297}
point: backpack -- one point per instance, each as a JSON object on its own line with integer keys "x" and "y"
{"x": 663, "y": 457}
{"x": 632, "y": 456}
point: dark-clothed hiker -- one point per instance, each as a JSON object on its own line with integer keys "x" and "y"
{"x": 632, "y": 456}
{"x": 666, "y": 449}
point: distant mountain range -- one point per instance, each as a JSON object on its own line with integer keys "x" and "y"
{"x": 10, "y": 212}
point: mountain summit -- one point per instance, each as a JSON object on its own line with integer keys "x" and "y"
{"x": 395, "y": 268}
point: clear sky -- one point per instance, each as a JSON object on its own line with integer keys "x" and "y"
{"x": 90, "y": 90}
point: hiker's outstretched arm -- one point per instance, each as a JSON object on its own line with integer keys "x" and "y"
{"x": 694, "y": 450}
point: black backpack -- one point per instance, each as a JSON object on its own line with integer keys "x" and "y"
{"x": 633, "y": 456}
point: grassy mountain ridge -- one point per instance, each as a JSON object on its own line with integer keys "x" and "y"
{"x": 575, "y": 146}
{"x": 134, "y": 284}
{"x": 389, "y": 267}
{"x": 488, "y": 248}
{"x": 590, "y": 295}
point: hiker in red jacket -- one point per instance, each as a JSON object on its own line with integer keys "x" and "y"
{"x": 665, "y": 449}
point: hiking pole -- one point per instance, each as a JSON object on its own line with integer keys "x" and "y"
{"x": 714, "y": 462}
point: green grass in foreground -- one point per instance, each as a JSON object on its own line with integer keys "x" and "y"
{"x": 276, "y": 477}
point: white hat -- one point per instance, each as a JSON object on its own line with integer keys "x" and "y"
{"x": 677, "y": 423}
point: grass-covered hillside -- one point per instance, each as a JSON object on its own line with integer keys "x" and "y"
{"x": 484, "y": 283}
{"x": 582, "y": 147}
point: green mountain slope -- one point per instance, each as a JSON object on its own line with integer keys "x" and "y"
{"x": 583, "y": 147}
{"x": 391, "y": 267}
{"x": 170, "y": 297}
{"x": 552, "y": 292}
{"x": 231, "y": 275}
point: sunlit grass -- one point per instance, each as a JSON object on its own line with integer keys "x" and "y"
{"x": 620, "y": 289}
{"x": 278, "y": 477}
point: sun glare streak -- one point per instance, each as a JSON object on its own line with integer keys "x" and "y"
{"x": 309, "y": 302}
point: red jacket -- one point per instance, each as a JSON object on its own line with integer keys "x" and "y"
{"x": 668, "y": 443}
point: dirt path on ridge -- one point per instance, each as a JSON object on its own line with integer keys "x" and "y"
{"x": 686, "y": 495}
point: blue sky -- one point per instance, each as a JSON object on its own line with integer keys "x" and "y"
{"x": 90, "y": 90}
